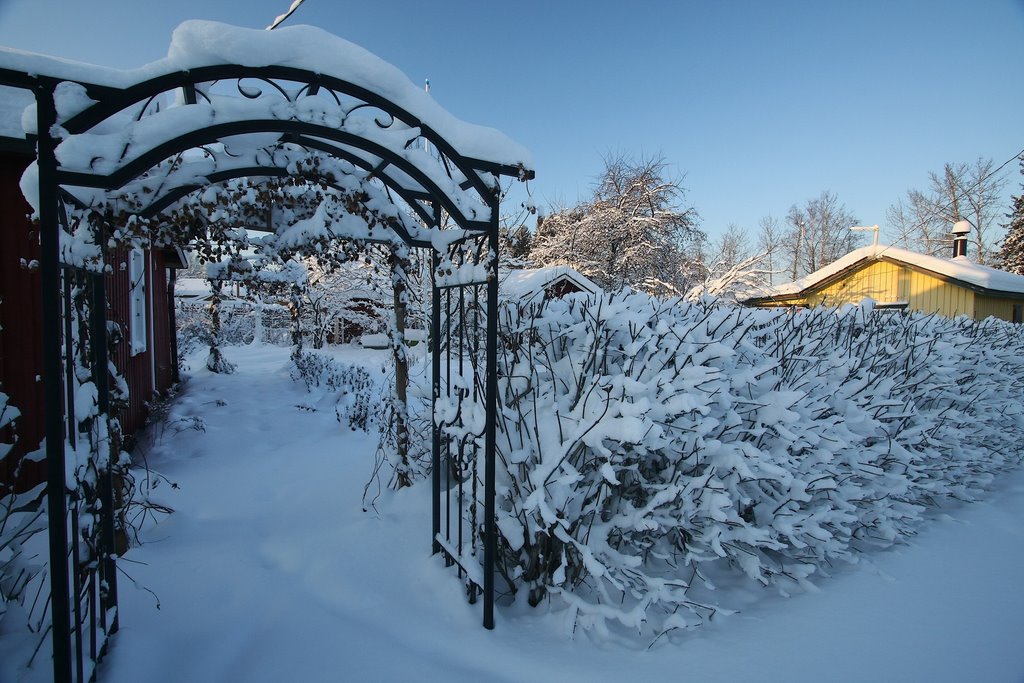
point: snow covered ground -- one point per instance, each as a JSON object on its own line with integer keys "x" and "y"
{"x": 269, "y": 570}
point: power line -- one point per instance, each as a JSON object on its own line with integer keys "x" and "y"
{"x": 281, "y": 17}
{"x": 962, "y": 194}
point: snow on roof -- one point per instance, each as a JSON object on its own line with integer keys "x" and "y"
{"x": 191, "y": 286}
{"x": 959, "y": 268}
{"x": 361, "y": 294}
{"x": 197, "y": 43}
{"x": 12, "y": 103}
{"x": 529, "y": 281}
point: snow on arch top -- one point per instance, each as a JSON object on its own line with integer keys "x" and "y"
{"x": 198, "y": 43}
{"x": 206, "y": 43}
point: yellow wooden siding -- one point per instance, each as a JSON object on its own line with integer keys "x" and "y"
{"x": 985, "y": 306}
{"x": 931, "y": 295}
{"x": 879, "y": 280}
{"x": 893, "y": 283}
{"x": 904, "y": 283}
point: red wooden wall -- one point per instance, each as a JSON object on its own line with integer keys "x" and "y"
{"x": 150, "y": 372}
{"x": 21, "y": 355}
{"x": 147, "y": 374}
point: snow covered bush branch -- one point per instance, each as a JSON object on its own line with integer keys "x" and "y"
{"x": 648, "y": 446}
{"x": 351, "y": 387}
{"x": 22, "y": 541}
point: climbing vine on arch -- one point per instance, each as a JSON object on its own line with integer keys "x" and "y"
{"x": 258, "y": 232}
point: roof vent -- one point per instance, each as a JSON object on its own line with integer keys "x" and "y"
{"x": 960, "y": 230}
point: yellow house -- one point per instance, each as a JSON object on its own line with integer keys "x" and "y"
{"x": 901, "y": 279}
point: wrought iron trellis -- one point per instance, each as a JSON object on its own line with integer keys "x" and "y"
{"x": 448, "y": 185}
{"x": 90, "y": 494}
{"x": 464, "y": 375}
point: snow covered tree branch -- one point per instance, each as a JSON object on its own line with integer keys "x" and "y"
{"x": 636, "y": 231}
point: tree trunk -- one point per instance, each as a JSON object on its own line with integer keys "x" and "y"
{"x": 403, "y": 475}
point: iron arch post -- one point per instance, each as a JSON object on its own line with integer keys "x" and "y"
{"x": 50, "y": 278}
{"x": 491, "y": 408}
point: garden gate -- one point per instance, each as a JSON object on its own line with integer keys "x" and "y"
{"x": 116, "y": 151}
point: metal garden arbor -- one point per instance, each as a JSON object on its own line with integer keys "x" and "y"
{"x": 144, "y": 140}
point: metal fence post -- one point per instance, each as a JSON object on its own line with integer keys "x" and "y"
{"x": 491, "y": 408}
{"x": 49, "y": 270}
{"x": 435, "y": 384}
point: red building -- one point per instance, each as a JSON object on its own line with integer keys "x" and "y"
{"x": 139, "y": 311}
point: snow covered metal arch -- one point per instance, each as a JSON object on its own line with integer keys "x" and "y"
{"x": 230, "y": 103}
{"x": 394, "y": 153}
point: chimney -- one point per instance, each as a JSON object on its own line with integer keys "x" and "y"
{"x": 960, "y": 230}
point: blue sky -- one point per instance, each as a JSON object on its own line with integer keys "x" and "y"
{"x": 761, "y": 104}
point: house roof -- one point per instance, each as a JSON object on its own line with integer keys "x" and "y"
{"x": 191, "y": 286}
{"x": 13, "y": 102}
{"x": 197, "y": 289}
{"x": 959, "y": 270}
{"x": 528, "y": 282}
{"x": 359, "y": 293}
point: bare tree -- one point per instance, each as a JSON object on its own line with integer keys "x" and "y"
{"x": 353, "y": 294}
{"x": 516, "y": 244}
{"x": 819, "y": 233}
{"x": 734, "y": 268}
{"x": 769, "y": 243}
{"x": 961, "y": 191}
{"x": 732, "y": 247}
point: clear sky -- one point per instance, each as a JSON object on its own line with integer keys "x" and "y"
{"x": 761, "y": 104}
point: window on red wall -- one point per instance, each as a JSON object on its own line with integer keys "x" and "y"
{"x": 137, "y": 275}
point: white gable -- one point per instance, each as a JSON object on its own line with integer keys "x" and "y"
{"x": 528, "y": 282}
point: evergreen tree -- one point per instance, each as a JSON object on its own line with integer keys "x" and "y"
{"x": 1011, "y": 256}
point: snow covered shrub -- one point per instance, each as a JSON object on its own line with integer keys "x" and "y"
{"x": 238, "y": 326}
{"x": 414, "y": 465}
{"x": 22, "y": 539}
{"x": 24, "y": 579}
{"x": 647, "y": 446}
{"x": 193, "y": 329}
{"x": 355, "y": 394}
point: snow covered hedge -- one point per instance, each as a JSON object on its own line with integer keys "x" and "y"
{"x": 23, "y": 565}
{"x": 650, "y": 448}
{"x": 354, "y": 392}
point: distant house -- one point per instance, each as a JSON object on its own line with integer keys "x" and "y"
{"x": 360, "y": 313}
{"x": 196, "y": 291}
{"x": 525, "y": 285}
{"x": 900, "y": 279}
{"x": 139, "y": 312}
{"x": 553, "y": 281}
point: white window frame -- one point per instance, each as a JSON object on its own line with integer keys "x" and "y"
{"x": 139, "y": 328}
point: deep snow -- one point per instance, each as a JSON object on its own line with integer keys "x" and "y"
{"x": 269, "y": 570}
